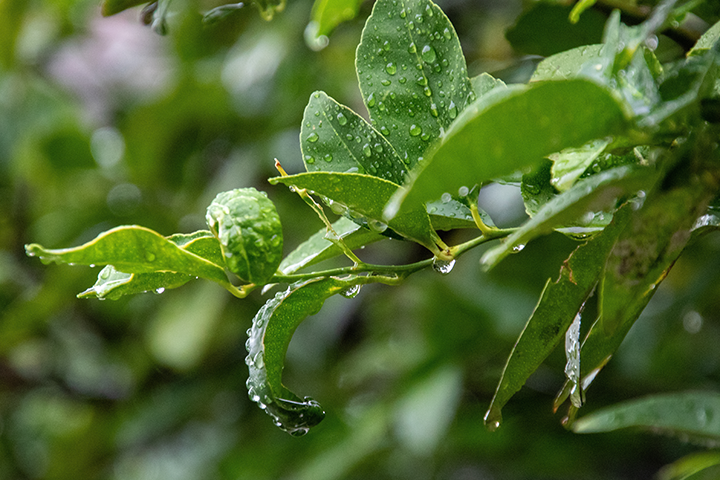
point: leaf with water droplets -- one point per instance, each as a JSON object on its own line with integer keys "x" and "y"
{"x": 269, "y": 337}
{"x": 333, "y": 138}
{"x": 706, "y": 41}
{"x": 511, "y": 129}
{"x": 567, "y": 64}
{"x": 570, "y": 163}
{"x": 693, "y": 414}
{"x": 365, "y": 196}
{"x": 559, "y": 303}
{"x": 412, "y": 74}
{"x": 113, "y": 284}
{"x": 596, "y": 193}
{"x": 248, "y": 227}
{"x": 318, "y": 248}
{"x": 134, "y": 249}
{"x": 686, "y": 467}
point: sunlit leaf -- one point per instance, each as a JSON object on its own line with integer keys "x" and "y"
{"x": 366, "y": 195}
{"x": 495, "y": 138}
{"x": 690, "y": 413}
{"x": 412, "y": 74}
{"x": 559, "y": 303}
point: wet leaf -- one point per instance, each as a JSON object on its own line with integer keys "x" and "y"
{"x": 269, "y": 337}
{"x": 113, "y": 284}
{"x": 452, "y": 214}
{"x": 317, "y": 248}
{"x": 412, "y": 74}
{"x": 510, "y": 130}
{"x": 333, "y": 138}
{"x": 366, "y": 196}
{"x": 706, "y": 41}
{"x": 485, "y": 83}
{"x": 248, "y": 227}
{"x": 696, "y": 414}
{"x": 569, "y": 164}
{"x": 567, "y": 64}
{"x": 559, "y": 303}
{"x": 133, "y": 249}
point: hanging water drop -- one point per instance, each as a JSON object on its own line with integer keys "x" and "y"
{"x": 443, "y": 266}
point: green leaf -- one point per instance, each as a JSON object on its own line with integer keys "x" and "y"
{"x": 328, "y": 14}
{"x": 269, "y": 337}
{"x": 559, "y": 303}
{"x": 579, "y": 8}
{"x": 567, "y": 64}
{"x": 449, "y": 214}
{"x": 510, "y": 130}
{"x": 366, "y": 195}
{"x": 706, "y": 41}
{"x": 248, "y": 227}
{"x": 333, "y": 138}
{"x": 569, "y": 164}
{"x": 596, "y": 193}
{"x": 412, "y": 74}
{"x": 111, "y": 7}
{"x": 690, "y": 465}
{"x": 113, "y": 284}
{"x": 485, "y": 83}
{"x": 133, "y": 249}
{"x": 269, "y": 7}
{"x": 696, "y": 414}
{"x": 317, "y": 248}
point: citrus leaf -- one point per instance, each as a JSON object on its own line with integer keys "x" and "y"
{"x": 596, "y": 193}
{"x": 570, "y": 163}
{"x": 328, "y": 14}
{"x": 333, "y": 138}
{"x": 113, "y": 284}
{"x": 559, "y": 303}
{"x": 366, "y": 195}
{"x": 248, "y": 227}
{"x": 567, "y": 64}
{"x": 412, "y": 74}
{"x": 317, "y": 248}
{"x": 696, "y": 414}
{"x": 269, "y": 337}
{"x": 510, "y": 130}
{"x": 134, "y": 249}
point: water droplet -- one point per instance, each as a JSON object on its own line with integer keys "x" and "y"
{"x": 434, "y": 110}
{"x": 452, "y": 110}
{"x": 160, "y": 290}
{"x": 425, "y": 136}
{"x": 391, "y": 68}
{"x": 493, "y": 419}
{"x": 366, "y": 150}
{"x": 386, "y": 46}
{"x": 402, "y": 80}
{"x": 328, "y": 158}
{"x": 518, "y": 248}
{"x": 403, "y": 14}
{"x": 419, "y": 18}
{"x": 342, "y": 120}
{"x": 463, "y": 191}
{"x": 371, "y": 100}
{"x": 377, "y": 226}
{"x": 447, "y": 34}
{"x": 105, "y": 273}
{"x": 313, "y": 137}
{"x": 415, "y": 130}
{"x": 351, "y": 292}
{"x": 385, "y": 83}
{"x": 384, "y": 130}
{"x": 446, "y": 197}
{"x": 427, "y": 92}
{"x": 378, "y": 148}
{"x": 443, "y": 266}
{"x": 422, "y": 81}
{"x": 428, "y": 54}
{"x": 309, "y": 159}
{"x": 412, "y": 48}
{"x": 150, "y": 257}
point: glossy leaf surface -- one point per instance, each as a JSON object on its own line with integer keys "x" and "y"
{"x": 493, "y": 139}
{"x": 559, "y": 303}
{"x": 570, "y": 163}
{"x": 565, "y": 65}
{"x": 412, "y": 74}
{"x": 690, "y": 413}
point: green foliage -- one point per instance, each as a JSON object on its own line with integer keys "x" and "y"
{"x": 611, "y": 146}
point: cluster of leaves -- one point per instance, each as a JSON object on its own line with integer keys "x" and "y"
{"x": 619, "y": 153}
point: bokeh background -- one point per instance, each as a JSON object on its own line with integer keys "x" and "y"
{"x": 105, "y": 123}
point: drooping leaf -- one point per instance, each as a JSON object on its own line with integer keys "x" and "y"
{"x": 412, "y": 74}
{"x": 328, "y": 14}
{"x": 567, "y": 64}
{"x": 113, "y": 284}
{"x": 366, "y": 195}
{"x": 133, "y": 249}
{"x": 248, "y": 227}
{"x": 317, "y": 248}
{"x": 333, "y": 138}
{"x": 111, "y": 7}
{"x": 696, "y": 414}
{"x": 511, "y": 130}
{"x": 594, "y": 194}
{"x": 559, "y": 303}
{"x": 269, "y": 337}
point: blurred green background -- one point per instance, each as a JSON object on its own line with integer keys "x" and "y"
{"x": 104, "y": 123}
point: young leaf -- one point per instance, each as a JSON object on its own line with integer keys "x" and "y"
{"x": 491, "y": 139}
{"x": 248, "y": 227}
{"x": 696, "y": 414}
{"x": 412, "y": 74}
{"x": 113, "y": 284}
{"x": 269, "y": 337}
{"x": 559, "y": 303}
{"x": 333, "y": 138}
{"x": 596, "y": 193}
{"x": 328, "y": 14}
{"x": 366, "y": 195}
{"x": 317, "y": 248}
{"x": 133, "y": 249}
